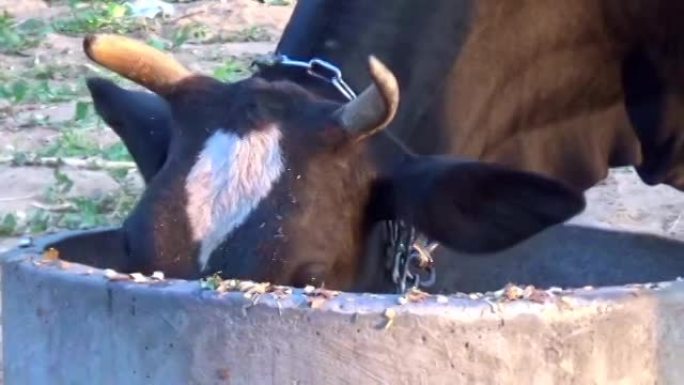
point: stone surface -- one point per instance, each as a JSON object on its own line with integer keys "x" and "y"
{"x": 126, "y": 333}
{"x": 70, "y": 324}
{"x": 623, "y": 202}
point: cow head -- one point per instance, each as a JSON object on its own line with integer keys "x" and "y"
{"x": 267, "y": 181}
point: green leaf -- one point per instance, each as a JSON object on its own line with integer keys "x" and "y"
{"x": 231, "y": 71}
{"x": 38, "y": 223}
{"x": 157, "y": 43}
{"x": 8, "y": 225}
{"x": 20, "y": 90}
{"x": 64, "y": 183}
{"x": 117, "y": 10}
{"x": 117, "y": 152}
{"x": 82, "y": 111}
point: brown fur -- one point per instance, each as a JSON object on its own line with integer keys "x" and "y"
{"x": 537, "y": 87}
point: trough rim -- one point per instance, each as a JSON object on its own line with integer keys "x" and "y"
{"x": 475, "y": 306}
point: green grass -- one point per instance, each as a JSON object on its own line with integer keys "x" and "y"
{"x": 75, "y": 212}
{"x": 49, "y": 71}
{"x": 186, "y": 33}
{"x": 101, "y": 16}
{"x": 75, "y": 143}
{"x": 276, "y": 2}
{"x": 16, "y": 38}
{"x": 250, "y": 34}
{"x": 232, "y": 70}
{"x": 21, "y": 90}
{"x": 96, "y": 16}
{"x": 40, "y": 82}
{"x": 77, "y": 139}
{"x": 80, "y": 213}
{"x": 8, "y": 225}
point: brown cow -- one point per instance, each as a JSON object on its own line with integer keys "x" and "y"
{"x": 568, "y": 89}
{"x": 269, "y": 180}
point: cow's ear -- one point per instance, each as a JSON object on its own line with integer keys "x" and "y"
{"x": 141, "y": 119}
{"x": 475, "y": 207}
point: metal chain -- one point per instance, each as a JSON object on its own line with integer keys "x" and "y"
{"x": 317, "y": 68}
{"x": 409, "y": 255}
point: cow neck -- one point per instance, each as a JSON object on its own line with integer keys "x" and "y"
{"x": 419, "y": 44}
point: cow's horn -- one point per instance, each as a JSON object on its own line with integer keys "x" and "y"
{"x": 139, "y": 62}
{"x": 375, "y": 108}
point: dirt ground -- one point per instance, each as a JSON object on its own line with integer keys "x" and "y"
{"x": 216, "y": 37}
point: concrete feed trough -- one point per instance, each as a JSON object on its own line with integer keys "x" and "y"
{"x": 73, "y": 324}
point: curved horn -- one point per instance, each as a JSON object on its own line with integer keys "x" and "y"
{"x": 375, "y": 108}
{"x": 139, "y": 62}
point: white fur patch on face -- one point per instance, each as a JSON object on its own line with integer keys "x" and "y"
{"x": 232, "y": 175}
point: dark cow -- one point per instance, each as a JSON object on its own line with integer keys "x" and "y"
{"x": 567, "y": 89}
{"x": 266, "y": 179}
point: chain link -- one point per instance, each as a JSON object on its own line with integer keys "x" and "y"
{"x": 317, "y": 68}
{"x": 409, "y": 257}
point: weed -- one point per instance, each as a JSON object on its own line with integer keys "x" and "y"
{"x": 8, "y": 225}
{"x": 74, "y": 213}
{"x": 58, "y": 191}
{"x": 41, "y": 91}
{"x": 38, "y": 222}
{"x": 97, "y": 16}
{"x": 49, "y": 71}
{"x": 277, "y": 2}
{"x": 186, "y": 33}
{"x": 116, "y": 152}
{"x": 159, "y": 43}
{"x": 51, "y": 82}
{"x": 16, "y": 38}
{"x": 84, "y": 110}
{"x": 232, "y": 70}
{"x": 251, "y": 34}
